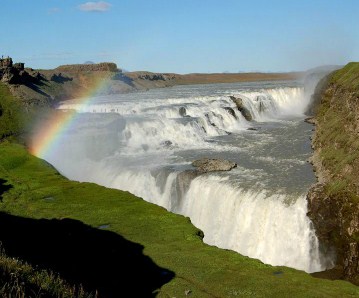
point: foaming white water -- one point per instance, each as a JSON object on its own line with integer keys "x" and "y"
{"x": 270, "y": 227}
{"x": 145, "y": 146}
{"x": 270, "y": 103}
{"x": 264, "y": 105}
{"x": 186, "y": 123}
{"x": 254, "y": 223}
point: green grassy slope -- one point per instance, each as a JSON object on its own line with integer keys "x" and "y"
{"x": 10, "y": 113}
{"x": 337, "y": 130}
{"x": 348, "y": 77}
{"x": 171, "y": 241}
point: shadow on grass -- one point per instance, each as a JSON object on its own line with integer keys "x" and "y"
{"x": 3, "y": 188}
{"x": 99, "y": 260}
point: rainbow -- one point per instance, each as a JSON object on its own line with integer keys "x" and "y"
{"x": 48, "y": 135}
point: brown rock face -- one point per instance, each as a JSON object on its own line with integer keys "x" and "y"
{"x": 105, "y": 66}
{"x": 336, "y": 220}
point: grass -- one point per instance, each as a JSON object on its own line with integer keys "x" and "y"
{"x": 348, "y": 77}
{"x": 11, "y": 114}
{"x": 21, "y": 280}
{"x": 170, "y": 241}
{"x": 336, "y": 133}
{"x": 337, "y": 141}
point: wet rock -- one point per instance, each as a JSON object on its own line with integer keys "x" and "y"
{"x": 240, "y": 106}
{"x": 206, "y": 165}
{"x": 182, "y": 111}
{"x": 230, "y": 111}
{"x": 252, "y": 128}
{"x": 209, "y": 120}
{"x": 167, "y": 144}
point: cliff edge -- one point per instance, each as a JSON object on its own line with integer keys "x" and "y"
{"x": 333, "y": 202}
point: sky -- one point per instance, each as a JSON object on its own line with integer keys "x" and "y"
{"x": 182, "y": 36}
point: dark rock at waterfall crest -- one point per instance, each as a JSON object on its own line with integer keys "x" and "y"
{"x": 182, "y": 111}
{"x": 230, "y": 111}
{"x": 206, "y": 165}
{"x": 240, "y": 106}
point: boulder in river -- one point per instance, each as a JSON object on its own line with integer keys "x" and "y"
{"x": 206, "y": 165}
{"x": 182, "y": 111}
{"x": 240, "y": 106}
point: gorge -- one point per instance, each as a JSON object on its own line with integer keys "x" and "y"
{"x": 145, "y": 143}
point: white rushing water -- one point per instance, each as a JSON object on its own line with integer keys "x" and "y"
{"x": 145, "y": 142}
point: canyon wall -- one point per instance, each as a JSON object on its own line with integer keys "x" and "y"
{"x": 333, "y": 202}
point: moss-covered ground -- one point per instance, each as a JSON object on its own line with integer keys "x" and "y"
{"x": 348, "y": 77}
{"x": 170, "y": 240}
{"x": 121, "y": 245}
{"x": 337, "y": 132}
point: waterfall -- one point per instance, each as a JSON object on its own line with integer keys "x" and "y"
{"x": 146, "y": 145}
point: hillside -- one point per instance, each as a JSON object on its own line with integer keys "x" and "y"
{"x": 48, "y": 87}
{"x": 334, "y": 200}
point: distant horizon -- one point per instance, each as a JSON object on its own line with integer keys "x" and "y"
{"x": 190, "y": 73}
{"x": 182, "y": 37}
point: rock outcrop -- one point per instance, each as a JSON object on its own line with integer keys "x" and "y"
{"x": 240, "y": 106}
{"x": 182, "y": 111}
{"x": 104, "y": 66}
{"x": 152, "y": 77}
{"x": 11, "y": 73}
{"x": 206, "y": 165}
{"x": 48, "y": 87}
{"x": 333, "y": 203}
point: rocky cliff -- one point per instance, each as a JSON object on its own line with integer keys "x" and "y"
{"x": 104, "y": 66}
{"x": 333, "y": 202}
{"x": 48, "y": 87}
